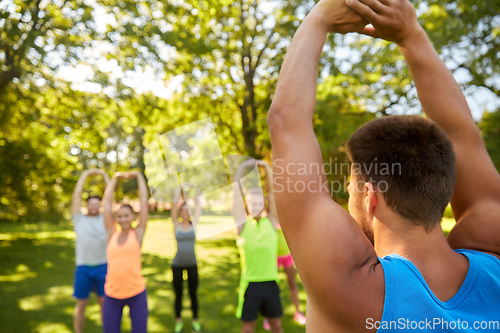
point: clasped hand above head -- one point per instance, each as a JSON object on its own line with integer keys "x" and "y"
{"x": 336, "y": 16}
{"x": 393, "y": 20}
{"x": 126, "y": 175}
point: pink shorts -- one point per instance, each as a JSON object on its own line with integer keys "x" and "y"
{"x": 285, "y": 261}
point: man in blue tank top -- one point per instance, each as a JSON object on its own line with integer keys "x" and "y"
{"x": 387, "y": 265}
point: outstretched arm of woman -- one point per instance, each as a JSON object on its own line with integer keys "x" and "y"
{"x": 197, "y": 202}
{"x": 174, "y": 211}
{"x": 271, "y": 209}
{"x": 143, "y": 215}
{"x": 108, "y": 198}
{"x": 197, "y": 207}
{"x": 239, "y": 212}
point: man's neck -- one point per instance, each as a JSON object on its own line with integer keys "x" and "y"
{"x": 408, "y": 240}
{"x": 443, "y": 269}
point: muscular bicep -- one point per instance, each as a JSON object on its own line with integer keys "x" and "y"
{"x": 477, "y": 179}
{"x": 326, "y": 243}
{"x": 359, "y": 303}
{"x": 340, "y": 271}
{"x": 476, "y": 196}
{"x": 444, "y": 103}
{"x": 478, "y": 229}
{"x": 328, "y": 247}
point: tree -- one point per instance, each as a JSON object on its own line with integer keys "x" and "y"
{"x": 36, "y": 167}
{"x": 48, "y": 131}
{"x": 464, "y": 32}
{"x": 38, "y": 37}
{"x": 229, "y": 54}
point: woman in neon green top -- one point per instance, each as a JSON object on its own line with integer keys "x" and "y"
{"x": 285, "y": 260}
{"x": 258, "y": 245}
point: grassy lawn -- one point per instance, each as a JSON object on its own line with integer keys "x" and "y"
{"x": 37, "y": 268}
{"x": 36, "y": 279}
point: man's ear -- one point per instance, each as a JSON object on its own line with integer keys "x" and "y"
{"x": 371, "y": 200}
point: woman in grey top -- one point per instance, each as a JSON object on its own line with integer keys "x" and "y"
{"x": 185, "y": 258}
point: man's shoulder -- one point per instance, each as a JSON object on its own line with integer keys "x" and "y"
{"x": 77, "y": 217}
{"x": 478, "y": 229}
{"x": 484, "y": 256}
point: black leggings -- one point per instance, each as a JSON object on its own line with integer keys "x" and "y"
{"x": 193, "y": 285}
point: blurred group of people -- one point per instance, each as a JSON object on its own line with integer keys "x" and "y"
{"x": 108, "y": 255}
{"x": 108, "y": 259}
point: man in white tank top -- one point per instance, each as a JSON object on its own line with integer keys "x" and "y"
{"x": 90, "y": 248}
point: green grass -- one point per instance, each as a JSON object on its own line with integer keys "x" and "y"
{"x": 37, "y": 269}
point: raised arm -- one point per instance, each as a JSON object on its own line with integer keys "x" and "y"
{"x": 105, "y": 177}
{"x": 76, "y": 198}
{"x": 174, "y": 211}
{"x": 197, "y": 207}
{"x": 271, "y": 205}
{"x": 108, "y": 198}
{"x": 476, "y": 197}
{"x": 318, "y": 231}
{"x": 238, "y": 211}
{"x": 143, "y": 215}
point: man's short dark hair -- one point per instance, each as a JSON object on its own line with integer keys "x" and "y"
{"x": 421, "y": 165}
{"x": 93, "y": 197}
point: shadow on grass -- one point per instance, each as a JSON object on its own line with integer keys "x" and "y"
{"x": 36, "y": 286}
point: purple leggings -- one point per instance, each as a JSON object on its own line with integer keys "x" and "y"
{"x": 113, "y": 309}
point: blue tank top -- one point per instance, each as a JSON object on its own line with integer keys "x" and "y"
{"x": 411, "y": 306}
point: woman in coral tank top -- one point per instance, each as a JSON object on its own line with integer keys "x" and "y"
{"x": 125, "y": 284}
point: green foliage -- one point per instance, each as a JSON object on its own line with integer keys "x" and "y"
{"x": 340, "y": 111}
{"x": 230, "y": 60}
{"x": 448, "y": 213}
{"x": 37, "y": 37}
{"x": 227, "y": 57}
{"x": 33, "y": 155}
{"x": 464, "y": 32}
{"x": 490, "y": 128}
{"x": 467, "y": 34}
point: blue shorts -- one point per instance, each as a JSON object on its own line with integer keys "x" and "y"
{"x": 89, "y": 278}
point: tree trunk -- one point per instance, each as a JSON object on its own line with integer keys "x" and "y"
{"x": 248, "y": 109}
